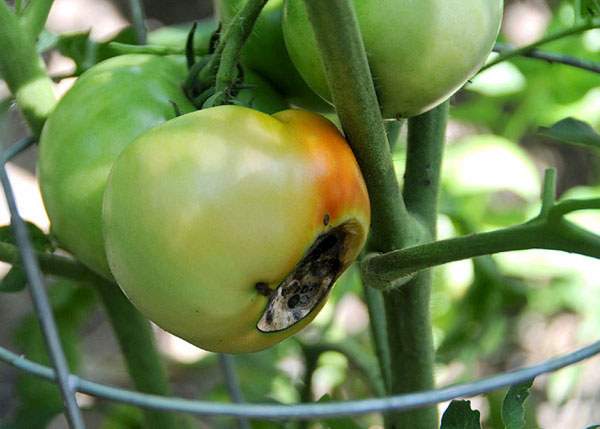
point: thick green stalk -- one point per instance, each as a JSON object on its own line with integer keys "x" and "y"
{"x": 141, "y": 357}
{"x": 407, "y": 308}
{"x": 353, "y": 93}
{"x": 35, "y": 15}
{"x": 22, "y": 69}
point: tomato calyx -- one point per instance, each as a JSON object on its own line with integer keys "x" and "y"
{"x": 310, "y": 281}
{"x": 200, "y": 84}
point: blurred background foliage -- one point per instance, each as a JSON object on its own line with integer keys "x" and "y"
{"x": 491, "y": 314}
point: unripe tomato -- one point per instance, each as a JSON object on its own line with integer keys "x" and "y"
{"x": 420, "y": 52}
{"x": 265, "y": 53}
{"x": 108, "y": 106}
{"x": 228, "y": 227}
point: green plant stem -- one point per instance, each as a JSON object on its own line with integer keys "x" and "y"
{"x": 50, "y": 264}
{"x": 141, "y": 357}
{"x": 236, "y": 35}
{"x": 365, "y": 363}
{"x": 548, "y": 192}
{"x": 378, "y": 326}
{"x": 353, "y": 94}
{"x": 407, "y": 308}
{"x": 138, "y": 15}
{"x": 35, "y": 15}
{"x": 22, "y": 69}
{"x": 552, "y": 57}
{"x": 560, "y": 234}
{"x": 589, "y": 24}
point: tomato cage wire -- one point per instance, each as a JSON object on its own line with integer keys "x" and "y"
{"x": 69, "y": 383}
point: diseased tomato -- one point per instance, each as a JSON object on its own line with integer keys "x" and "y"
{"x": 228, "y": 227}
{"x": 420, "y": 52}
{"x": 110, "y": 105}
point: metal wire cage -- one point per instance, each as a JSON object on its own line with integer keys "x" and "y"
{"x": 69, "y": 383}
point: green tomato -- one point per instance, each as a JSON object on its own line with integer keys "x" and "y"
{"x": 265, "y": 52}
{"x": 228, "y": 227}
{"x": 109, "y": 105}
{"x": 420, "y": 52}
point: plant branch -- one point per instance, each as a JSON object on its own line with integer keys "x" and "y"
{"x": 136, "y": 341}
{"x": 364, "y": 363}
{"x": 384, "y": 270}
{"x": 407, "y": 308}
{"x": 353, "y": 94}
{"x": 138, "y": 15}
{"x": 22, "y": 69}
{"x": 226, "y": 57}
{"x": 589, "y": 24}
{"x": 35, "y": 15}
{"x": 552, "y": 57}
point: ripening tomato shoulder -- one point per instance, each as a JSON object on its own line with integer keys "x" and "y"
{"x": 420, "y": 52}
{"x": 228, "y": 227}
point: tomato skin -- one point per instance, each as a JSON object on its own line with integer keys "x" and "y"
{"x": 265, "y": 53}
{"x": 420, "y": 52}
{"x": 110, "y": 105}
{"x": 199, "y": 210}
{"x": 106, "y": 108}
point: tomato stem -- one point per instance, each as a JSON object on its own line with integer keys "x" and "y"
{"x": 236, "y": 34}
{"x": 22, "y": 69}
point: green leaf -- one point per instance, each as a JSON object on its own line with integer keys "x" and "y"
{"x": 593, "y": 427}
{"x": 13, "y": 281}
{"x": 459, "y": 415}
{"x": 83, "y": 50}
{"x": 590, "y": 8}
{"x": 41, "y": 241}
{"x": 571, "y": 130}
{"x": 513, "y": 413}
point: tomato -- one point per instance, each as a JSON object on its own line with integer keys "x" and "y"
{"x": 228, "y": 227}
{"x": 419, "y": 52}
{"x": 108, "y": 106}
{"x": 265, "y": 52}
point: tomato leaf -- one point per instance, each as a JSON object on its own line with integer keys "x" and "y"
{"x": 571, "y": 130}
{"x": 459, "y": 415}
{"x": 513, "y": 413}
{"x": 82, "y": 49}
{"x": 13, "y": 281}
{"x": 41, "y": 241}
{"x": 589, "y": 8}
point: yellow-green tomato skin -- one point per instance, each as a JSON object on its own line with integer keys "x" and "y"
{"x": 199, "y": 210}
{"x": 420, "y": 52}
{"x": 107, "y": 107}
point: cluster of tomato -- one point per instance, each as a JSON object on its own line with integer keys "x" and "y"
{"x": 228, "y": 226}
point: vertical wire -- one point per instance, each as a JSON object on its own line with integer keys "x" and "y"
{"x": 233, "y": 386}
{"x": 36, "y": 289}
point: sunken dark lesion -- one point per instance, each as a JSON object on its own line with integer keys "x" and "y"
{"x": 308, "y": 284}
